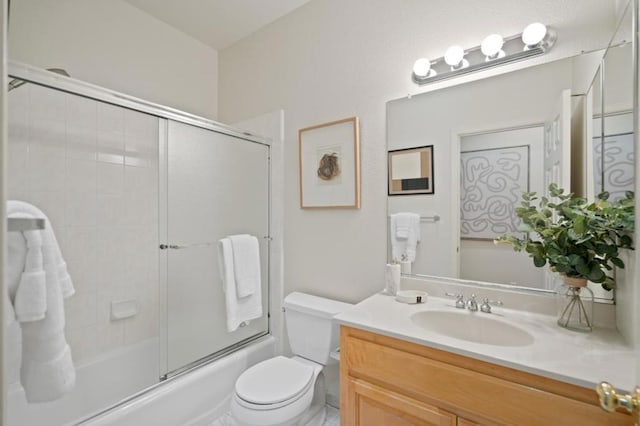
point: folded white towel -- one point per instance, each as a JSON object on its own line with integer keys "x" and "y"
{"x": 239, "y": 311}
{"x": 246, "y": 264}
{"x": 404, "y": 248}
{"x": 403, "y": 223}
{"x": 46, "y": 370}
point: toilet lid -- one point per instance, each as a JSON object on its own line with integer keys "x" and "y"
{"x": 274, "y": 380}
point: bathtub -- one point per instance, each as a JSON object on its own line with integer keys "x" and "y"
{"x": 194, "y": 398}
{"x": 101, "y": 382}
{"x": 197, "y": 398}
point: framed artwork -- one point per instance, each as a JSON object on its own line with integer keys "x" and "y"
{"x": 329, "y": 156}
{"x": 491, "y": 181}
{"x": 411, "y": 171}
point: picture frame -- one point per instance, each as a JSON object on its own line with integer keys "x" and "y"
{"x": 410, "y": 171}
{"x": 329, "y": 165}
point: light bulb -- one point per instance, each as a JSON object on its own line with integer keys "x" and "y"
{"x": 454, "y": 56}
{"x": 534, "y": 34}
{"x": 491, "y": 46}
{"x": 421, "y": 68}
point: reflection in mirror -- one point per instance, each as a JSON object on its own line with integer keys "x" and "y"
{"x": 495, "y": 168}
{"x": 493, "y": 117}
{"x": 411, "y": 171}
{"x": 613, "y": 153}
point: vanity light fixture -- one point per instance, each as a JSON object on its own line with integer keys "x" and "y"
{"x": 536, "y": 39}
{"x": 454, "y": 57}
{"x": 422, "y": 68}
{"x": 491, "y": 47}
{"x": 533, "y": 35}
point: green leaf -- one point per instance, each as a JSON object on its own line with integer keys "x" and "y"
{"x": 595, "y": 273}
{"x": 539, "y": 261}
{"x": 583, "y": 269}
{"x": 578, "y": 225}
{"x": 575, "y": 260}
{"x": 617, "y": 261}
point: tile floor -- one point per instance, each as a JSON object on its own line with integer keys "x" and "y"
{"x": 332, "y": 419}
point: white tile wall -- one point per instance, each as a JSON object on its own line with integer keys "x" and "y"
{"x": 93, "y": 169}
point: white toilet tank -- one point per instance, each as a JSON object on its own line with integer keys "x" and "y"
{"x": 312, "y": 333}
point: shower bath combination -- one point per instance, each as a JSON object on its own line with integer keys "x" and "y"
{"x": 110, "y": 171}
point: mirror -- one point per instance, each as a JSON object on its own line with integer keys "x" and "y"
{"x": 497, "y": 137}
{"x": 613, "y": 150}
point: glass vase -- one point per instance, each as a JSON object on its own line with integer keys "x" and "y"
{"x": 575, "y": 304}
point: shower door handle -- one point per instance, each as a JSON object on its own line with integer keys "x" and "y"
{"x": 183, "y": 246}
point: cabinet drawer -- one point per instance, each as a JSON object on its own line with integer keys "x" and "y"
{"x": 476, "y": 396}
{"x": 373, "y": 406}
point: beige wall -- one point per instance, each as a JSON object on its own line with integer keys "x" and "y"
{"x": 114, "y": 45}
{"x": 332, "y": 59}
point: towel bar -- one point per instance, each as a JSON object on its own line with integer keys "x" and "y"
{"x": 433, "y": 218}
{"x": 183, "y": 246}
{"x": 19, "y": 224}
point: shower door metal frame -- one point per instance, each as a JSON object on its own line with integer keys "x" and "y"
{"x": 42, "y": 77}
{"x": 55, "y": 81}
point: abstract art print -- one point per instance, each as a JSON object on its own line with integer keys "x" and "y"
{"x": 410, "y": 171}
{"x": 491, "y": 185}
{"x": 329, "y": 156}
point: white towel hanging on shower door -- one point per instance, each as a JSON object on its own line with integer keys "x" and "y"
{"x": 239, "y": 311}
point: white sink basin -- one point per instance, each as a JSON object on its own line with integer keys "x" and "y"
{"x": 474, "y": 327}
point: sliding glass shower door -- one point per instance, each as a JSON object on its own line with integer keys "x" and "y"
{"x": 215, "y": 186}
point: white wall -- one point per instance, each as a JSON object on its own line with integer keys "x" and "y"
{"x": 332, "y": 59}
{"x": 114, "y": 45}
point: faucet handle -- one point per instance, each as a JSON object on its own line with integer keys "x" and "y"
{"x": 486, "y": 305}
{"x": 459, "y": 299}
{"x": 472, "y": 305}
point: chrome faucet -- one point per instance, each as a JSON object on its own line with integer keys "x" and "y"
{"x": 472, "y": 305}
{"x": 459, "y": 299}
{"x": 486, "y": 305}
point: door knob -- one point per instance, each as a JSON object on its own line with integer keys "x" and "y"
{"x": 610, "y": 400}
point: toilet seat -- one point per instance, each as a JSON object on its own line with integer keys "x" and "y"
{"x": 274, "y": 383}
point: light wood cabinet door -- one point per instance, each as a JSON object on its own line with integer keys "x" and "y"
{"x": 387, "y": 381}
{"x": 376, "y": 406}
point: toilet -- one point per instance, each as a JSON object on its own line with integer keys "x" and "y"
{"x": 285, "y": 391}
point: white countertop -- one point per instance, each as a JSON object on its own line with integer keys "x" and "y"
{"x": 583, "y": 359}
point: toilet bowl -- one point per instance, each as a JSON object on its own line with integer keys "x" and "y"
{"x": 285, "y": 391}
{"x": 280, "y": 391}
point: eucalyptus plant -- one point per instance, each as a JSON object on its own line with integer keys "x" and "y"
{"x": 575, "y": 237}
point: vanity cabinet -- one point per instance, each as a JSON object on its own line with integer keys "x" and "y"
{"x": 386, "y": 381}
